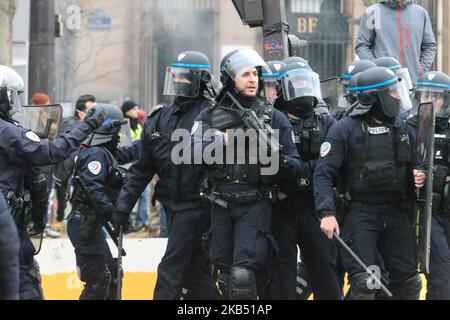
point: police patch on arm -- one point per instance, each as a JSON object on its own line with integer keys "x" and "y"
{"x": 95, "y": 167}
{"x": 32, "y": 136}
{"x": 325, "y": 149}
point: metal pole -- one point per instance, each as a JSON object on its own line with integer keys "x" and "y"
{"x": 42, "y": 47}
{"x": 275, "y": 32}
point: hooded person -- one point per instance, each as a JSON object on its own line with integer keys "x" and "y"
{"x": 404, "y": 32}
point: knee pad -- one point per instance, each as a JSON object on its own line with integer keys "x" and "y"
{"x": 360, "y": 286}
{"x": 97, "y": 289}
{"x": 242, "y": 284}
{"x": 409, "y": 289}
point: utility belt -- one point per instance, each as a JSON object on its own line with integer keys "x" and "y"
{"x": 225, "y": 199}
{"x": 20, "y": 208}
{"x": 376, "y": 209}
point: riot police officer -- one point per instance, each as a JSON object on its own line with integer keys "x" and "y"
{"x": 9, "y": 247}
{"x": 294, "y": 220}
{"x": 97, "y": 165}
{"x": 436, "y": 85}
{"x": 20, "y": 150}
{"x": 270, "y": 80}
{"x": 185, "y": 264}
{"x": 373, "y": 154}
{"x": 240, "y": 191}
{"x": 402, "y": 73}
{"x": 346, "y": 97}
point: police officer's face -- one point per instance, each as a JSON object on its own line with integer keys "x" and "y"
{"x": 247, "y": 83}
{"x": 427, "y": 97}
{"x": 270, "y": 92}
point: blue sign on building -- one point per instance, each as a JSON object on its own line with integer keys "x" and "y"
{"x": 99, "y": 20}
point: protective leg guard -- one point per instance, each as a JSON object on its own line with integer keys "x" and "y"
{"x": 242, "y": 284}
{"x": 360, "y": 286}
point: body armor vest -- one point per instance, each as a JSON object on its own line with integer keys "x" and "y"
{"x": 225, "y": 117}
{"x": 309, "y": 135}
{"x": 381, "y": 173}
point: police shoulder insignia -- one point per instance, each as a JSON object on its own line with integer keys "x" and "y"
{"x": 32, "y": 136}
{"x": 156, "y": 109}
{"x": 95, "y": 167}
{"x": 325, "y": 149}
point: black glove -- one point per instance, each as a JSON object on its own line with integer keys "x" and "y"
{"x": 121, "y": 219}
{"x": 93, "y": 119}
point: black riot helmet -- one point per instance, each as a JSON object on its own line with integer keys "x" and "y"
{"x": 352, "y": 95}
{"x": 353, "y": 68}
{"x": 237, "y": 63}
{"x": 347, "y": 80}
{"x": 290, "y": 60}
{"x": 379, "y": 90}
{"x": 188, "y": 76}
{"x": 224, "y": 77}
{"x": 11, "y": 91}
{"x": 300, "y": 89}
{"x": 434, "y": 85}
{"x": 110, "y": 128}
{"x": 394, "y": 65}
{"x": 270, "y": 80}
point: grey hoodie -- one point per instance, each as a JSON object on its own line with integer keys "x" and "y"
{"x": 380, "y": 36}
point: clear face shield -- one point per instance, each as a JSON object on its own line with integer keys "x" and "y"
{"x": 403, "y": 73}
{"x": 182, "y": 82}
{"x": 16, "y": 99}
{"x": 300, "y": 83}
{"x": 394, "y": 100}
{"x": 242, "y": 61}
{"x": 333, "y": 95}
{"x": 270, "y": 89}
{"x": 441, "y": 97}
{"x": 125, "y": 134}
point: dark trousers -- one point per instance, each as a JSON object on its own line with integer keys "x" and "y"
{"x": 93, "y": 257}
{"x": 185, "y": 264}
{"x": 294, "y": 225}
{"x": 30, "y": 279}
{"x": 438, "y": 281}
{"x": 389, "y": 235}
{"x": 9, "y": 255}
{"x": 239, "y": 236}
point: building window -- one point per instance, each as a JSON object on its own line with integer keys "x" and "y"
{"x": 316, "y": 6}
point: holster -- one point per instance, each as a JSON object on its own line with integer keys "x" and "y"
{"x": 87, "y": 222}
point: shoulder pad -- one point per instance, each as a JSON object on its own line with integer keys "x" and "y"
{"x": 156, "y": 109}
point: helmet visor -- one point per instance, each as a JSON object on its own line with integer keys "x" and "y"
{"x": 403, "y": 73}
{"x": 394, "y": 100}
{"x": 125, "y": 134}
{"x": 16, "y": 101}
{"x": 182, "y": 82}
{"x": 441, "y": 101}
{"x": 300, "y": 83}
{"x": 270, "y": 91}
